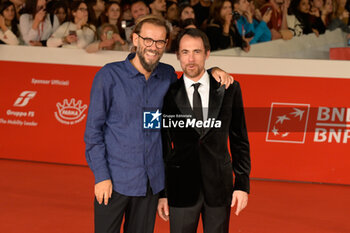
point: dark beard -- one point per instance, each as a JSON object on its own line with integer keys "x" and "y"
{"x": 194, "y": 75}
{"x": 148, "y": 67}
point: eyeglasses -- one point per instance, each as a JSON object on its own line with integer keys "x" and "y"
{"x": 148, "y": 42}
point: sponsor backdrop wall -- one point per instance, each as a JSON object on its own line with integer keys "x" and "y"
{"x": 297, "y": 111}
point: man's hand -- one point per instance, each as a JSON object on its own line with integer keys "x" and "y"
{"x": 222, "y": 77}
{"x": 103, "y": 191}
{"x": 163, "y": 208}
{"x": 241, "y": 199}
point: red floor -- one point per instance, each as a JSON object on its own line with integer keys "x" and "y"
{"x": 39, "y": 197}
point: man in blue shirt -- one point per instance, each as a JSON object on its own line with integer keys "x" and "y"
{"x": 125, "y": 158}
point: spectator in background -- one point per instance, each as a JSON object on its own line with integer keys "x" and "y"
{"x": 316, "y": 7}
{"x": 158, "y": 7}
{"x": 222, "y": 31}
{"x": 326, "y": 12}
{"x": 60, "y": 9}
{"x": 96, "y": 8}
{"x": 278, "y": 23}
{"x": 322, "y": 9}
{"x": 172, "y": 13}
{"x": 172, "y": 16}
{"x": 9, "y": 32}
{"x": 19, "y": 4}
{"x": 186, "y": 12}
{"x": 202, "y": 12}
{"x": 35, "y": 24}
{"x": 112, "y": 15}
{"x": 245, "y": 21}
{"x": 334, "y": 20}
{"x": 78, "y": 32}
{"x": 126, "y": 9}
{"x": 138, "y": 9}
{"x": 340, "y": 11}
{"x": 186, "y": 20}
{"x": 294, "y": 25}
{"x": 309, "y": 22}
{"x": 248, "y": 26}
{"x": 262, "y": 31}
{"x": 109, "y": 40}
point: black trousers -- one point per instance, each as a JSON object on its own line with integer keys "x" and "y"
{"x": 139, "y": 212}
{"x": 185, "y": 219}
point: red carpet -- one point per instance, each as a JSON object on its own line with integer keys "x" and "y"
{"x": 50, "y": 198}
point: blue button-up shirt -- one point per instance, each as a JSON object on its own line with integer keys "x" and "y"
{"x": 117, "y": 146}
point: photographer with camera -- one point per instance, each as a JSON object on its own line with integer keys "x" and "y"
{"x": 35, "y": 24}
{"x": 255, "y": 31}
{"x": 222, "y": 30}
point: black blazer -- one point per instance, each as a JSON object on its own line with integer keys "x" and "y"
{"x": 196, "y": 160}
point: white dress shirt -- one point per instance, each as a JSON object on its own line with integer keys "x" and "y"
{"x": 203, "y": 91}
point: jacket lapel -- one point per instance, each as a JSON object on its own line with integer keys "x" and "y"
{"x": 181, "y": 99}
{"x": 216, "y": 95}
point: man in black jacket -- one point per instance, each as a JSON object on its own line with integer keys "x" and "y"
{"x": 199, "y": 117}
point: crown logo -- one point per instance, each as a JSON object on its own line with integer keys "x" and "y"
{"x": 70, "y": 112}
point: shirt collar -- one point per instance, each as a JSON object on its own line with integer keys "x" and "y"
{"x": 133, "y": 71}
{"x": 204, "y": 80}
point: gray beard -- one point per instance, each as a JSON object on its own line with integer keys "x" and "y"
{"x": 145, "y": 65}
